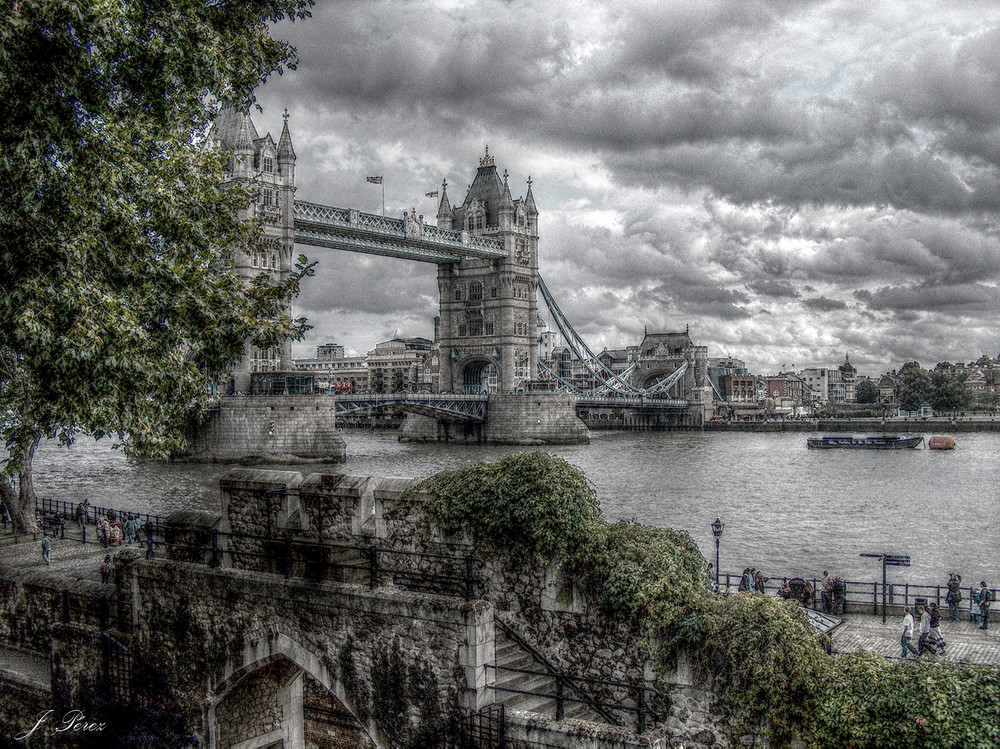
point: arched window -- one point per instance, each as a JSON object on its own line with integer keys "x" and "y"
{"x": 475, "y": 290}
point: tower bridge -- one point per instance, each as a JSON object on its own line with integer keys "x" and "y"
{"x": 486, "y": 250}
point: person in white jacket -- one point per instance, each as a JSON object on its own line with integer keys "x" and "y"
{"x": 907, "y": 634}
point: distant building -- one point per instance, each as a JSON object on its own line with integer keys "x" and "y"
{"x": 849, "y": 376}
{"x": 330, "y": 351}
{"x": 398, "y": 366}
{"x": 740, "y": 388}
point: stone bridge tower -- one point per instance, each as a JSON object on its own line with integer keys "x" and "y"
{"x": 267, "y": 170}
{"x": 486, "y": 333}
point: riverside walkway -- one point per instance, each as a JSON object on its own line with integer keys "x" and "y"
{"x": 858, "y": 632}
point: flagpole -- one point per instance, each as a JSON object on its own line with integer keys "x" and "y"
{"x": 382, "y": 182}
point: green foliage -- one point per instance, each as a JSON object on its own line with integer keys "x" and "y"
{"x": 643, "y": 575}
{"x": 765, "y": 658}
{"x": 915, "y": 387}
{"x": 119, "y": 302}
{"x": 532, "y": 503}
{"x": 867, "y": 392}
{"x": 865, "y": 700}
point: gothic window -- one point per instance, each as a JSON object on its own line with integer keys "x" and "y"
{"x": 475, "y": 291}
{"x": 268, "y": 165}
{"x": 493, "y": 292}
{"x": 488, "y": 327}
{"x": 458, "y": 295}
{"x": 475, "y": 327}
{"x": 462, "y": 330}
{"x": 269, "y": 196}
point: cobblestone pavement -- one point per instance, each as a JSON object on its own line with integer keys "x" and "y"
{"x": 966, "y": 642}
{"x": 68, "y": 557}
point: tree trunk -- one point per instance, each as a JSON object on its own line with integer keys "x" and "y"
{"x": 22, "y": 509}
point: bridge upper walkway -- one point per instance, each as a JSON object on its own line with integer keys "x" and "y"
{"x": 408, "y": 238}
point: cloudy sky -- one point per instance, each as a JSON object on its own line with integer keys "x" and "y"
{"x": 794, "y": 179}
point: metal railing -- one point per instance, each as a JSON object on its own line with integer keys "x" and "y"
{"x": 66, "y": 510}
{"x": 862, "y": 593}
{"x": 579, "y": 685}
{"x": 436, "y": 574}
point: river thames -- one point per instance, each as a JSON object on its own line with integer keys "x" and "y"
{"x": 788, "y": 511}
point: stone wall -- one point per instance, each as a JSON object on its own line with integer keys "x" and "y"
{"x": 369, "y": 648}
{"x": 541, "y": 603}
{"x": 268, "y": 428}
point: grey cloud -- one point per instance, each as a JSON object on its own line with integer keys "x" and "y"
{"x": 823, "y": 304}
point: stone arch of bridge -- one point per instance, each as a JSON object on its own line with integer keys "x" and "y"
{"x": 479, "y": 374}
{"x": 273, "y": 650}
{"x": 650, "y": 377}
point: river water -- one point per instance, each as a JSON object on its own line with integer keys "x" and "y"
{"x": 788, "y": 511}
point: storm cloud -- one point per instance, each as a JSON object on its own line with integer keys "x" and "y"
{"x": 795, "y": 181}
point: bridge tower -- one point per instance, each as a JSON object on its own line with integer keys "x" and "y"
{"x": 267, "y": 170}
{"x": 486, "y": 333}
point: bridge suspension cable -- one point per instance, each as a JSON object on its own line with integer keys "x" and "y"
{"x": 609, "y": 381}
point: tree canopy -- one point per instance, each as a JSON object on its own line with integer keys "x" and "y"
{"x": 119, "y": 304}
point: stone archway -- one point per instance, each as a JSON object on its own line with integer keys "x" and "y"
{"x": 480, "y": 376}
{"x": 282, "y": 695}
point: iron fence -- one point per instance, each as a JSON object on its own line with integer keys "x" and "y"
{"x": 485, "y": 728}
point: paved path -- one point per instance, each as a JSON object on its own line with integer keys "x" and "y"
{"x": 69, "y": 557}
{"x": 966, "y": 642}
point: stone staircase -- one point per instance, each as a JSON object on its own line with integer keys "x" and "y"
{"x": 542, "y": 683}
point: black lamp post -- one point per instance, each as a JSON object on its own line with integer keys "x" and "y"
{"x": 717, "y": 527}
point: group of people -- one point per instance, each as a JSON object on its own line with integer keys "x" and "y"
{"x": 111, "y": 528}
{"x": 752, "y": 580}
{"x": 930, "y": 639}
{"x": 980, "y": 601}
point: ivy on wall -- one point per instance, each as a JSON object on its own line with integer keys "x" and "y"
{"x": 771, "y": 676}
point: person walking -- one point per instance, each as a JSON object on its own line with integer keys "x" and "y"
{"x": 81, "y": 513}
{"x": 46, "y": 547}
{"x": 954, "y": 597}
{"x": 936, "y": 639}
{"x": 907, "y": 634}
{"x": 974, "y": 606}
{"x": 106, "y": 570}
{"x": 130, "y": 530}
{"x": 925, "y": 629}
{"x": 985, "y": 599}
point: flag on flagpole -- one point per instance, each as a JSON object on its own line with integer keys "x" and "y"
{"x": 431, "y": 194}
{"x": 376, "y": 180}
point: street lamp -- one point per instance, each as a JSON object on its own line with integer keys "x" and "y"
{"x": 717, "y": 527}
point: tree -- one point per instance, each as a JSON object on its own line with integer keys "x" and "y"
{"x": 867, "y": 392}
{"x": 949, "y": 392}
{"x": 915, "y": 386}
{"x": 119, "y": 304}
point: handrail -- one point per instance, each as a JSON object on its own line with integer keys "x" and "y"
{"x": 557, "y": 673}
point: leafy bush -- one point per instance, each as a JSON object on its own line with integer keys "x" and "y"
{"x": 527, "y": 503}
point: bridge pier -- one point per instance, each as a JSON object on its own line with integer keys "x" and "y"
{"x": 268, "y": 428}
{"x": 511, "y": 419}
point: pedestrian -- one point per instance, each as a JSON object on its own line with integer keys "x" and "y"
{"x": 132, "y": 530}
{"x": 936, "y": 638}
{"x": 954, "y": 597}
{"x": 925, "y": 629}
{"x": 974, "y": 606}
{"x": 746, "y": 582}
{"x": 46, "y": 547}
{"x": 826, "y": 594}
{"x": 907, "y": 634}
{"x": 81, "y": 513}
{"x": 985, "y": 599}
{"x": 106, "y": 569}
{"x": 759, "y": 580}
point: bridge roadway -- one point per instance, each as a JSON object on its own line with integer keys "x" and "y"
{"x": 474, "y": 407}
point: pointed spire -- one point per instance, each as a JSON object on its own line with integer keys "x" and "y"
{"x": 244, "y": 139}
{"x": 529, "y": 200}
{"x": 445, "y": 215}
{"x": 285, "y": 151}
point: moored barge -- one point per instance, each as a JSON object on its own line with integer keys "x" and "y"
{"x": 880, "y": 442}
